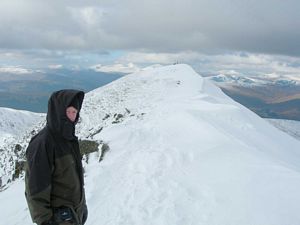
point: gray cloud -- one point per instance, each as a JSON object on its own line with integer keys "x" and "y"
{"x": 262, "y": 26}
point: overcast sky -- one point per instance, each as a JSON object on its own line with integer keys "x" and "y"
{"x": 94, "y": 32}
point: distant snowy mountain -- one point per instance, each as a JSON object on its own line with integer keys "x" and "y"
{"x": 269, "y": 96}
{"x": 235, "y": 79}
{"x": 248, "y": 81}
{"x": 181, "y": 152}
{"x": 286, "y": 82}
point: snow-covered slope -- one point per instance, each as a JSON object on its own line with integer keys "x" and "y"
{"x": 16, "y": 122}
{"x": 291, "y": 127}
{"x": 15, "y": 128}
{"x": 181, "y": 152}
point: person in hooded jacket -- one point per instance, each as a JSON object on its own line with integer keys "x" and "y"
{"x": 54, "y": 174}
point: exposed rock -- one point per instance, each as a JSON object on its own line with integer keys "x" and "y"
{"x": 88, "y": 146}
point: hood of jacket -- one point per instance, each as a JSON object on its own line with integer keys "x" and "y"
{"x": 57, "y": 120}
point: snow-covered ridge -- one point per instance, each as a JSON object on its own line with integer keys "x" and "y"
{"x": 181, "y": 152}
{"x": 15, "y": 123}
{"x": 185, "y": 153}
{"x": 15, "y": 128}
{"x": 136, "y": 95}
{"x": 291, "y": 127}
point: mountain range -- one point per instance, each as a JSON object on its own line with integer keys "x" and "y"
{"x": 180, "y": 152}
{"x": 269, "y": 97}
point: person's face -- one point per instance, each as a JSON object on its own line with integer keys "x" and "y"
{"x": 71, "y": 113}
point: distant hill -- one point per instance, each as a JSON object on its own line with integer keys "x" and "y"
{"x": 268, "y": 98}
{"x": 31, "y": 92}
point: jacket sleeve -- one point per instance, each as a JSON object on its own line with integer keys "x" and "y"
{"x": 38, "y": 181}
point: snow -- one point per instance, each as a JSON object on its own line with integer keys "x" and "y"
{"x": 182, "y": 153}
{"x": 291, "y": 127}
{"x": 15, "y": 122}
{"x": 15, "y": 129}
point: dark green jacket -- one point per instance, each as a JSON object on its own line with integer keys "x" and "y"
{"x": 54, "y": 173}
